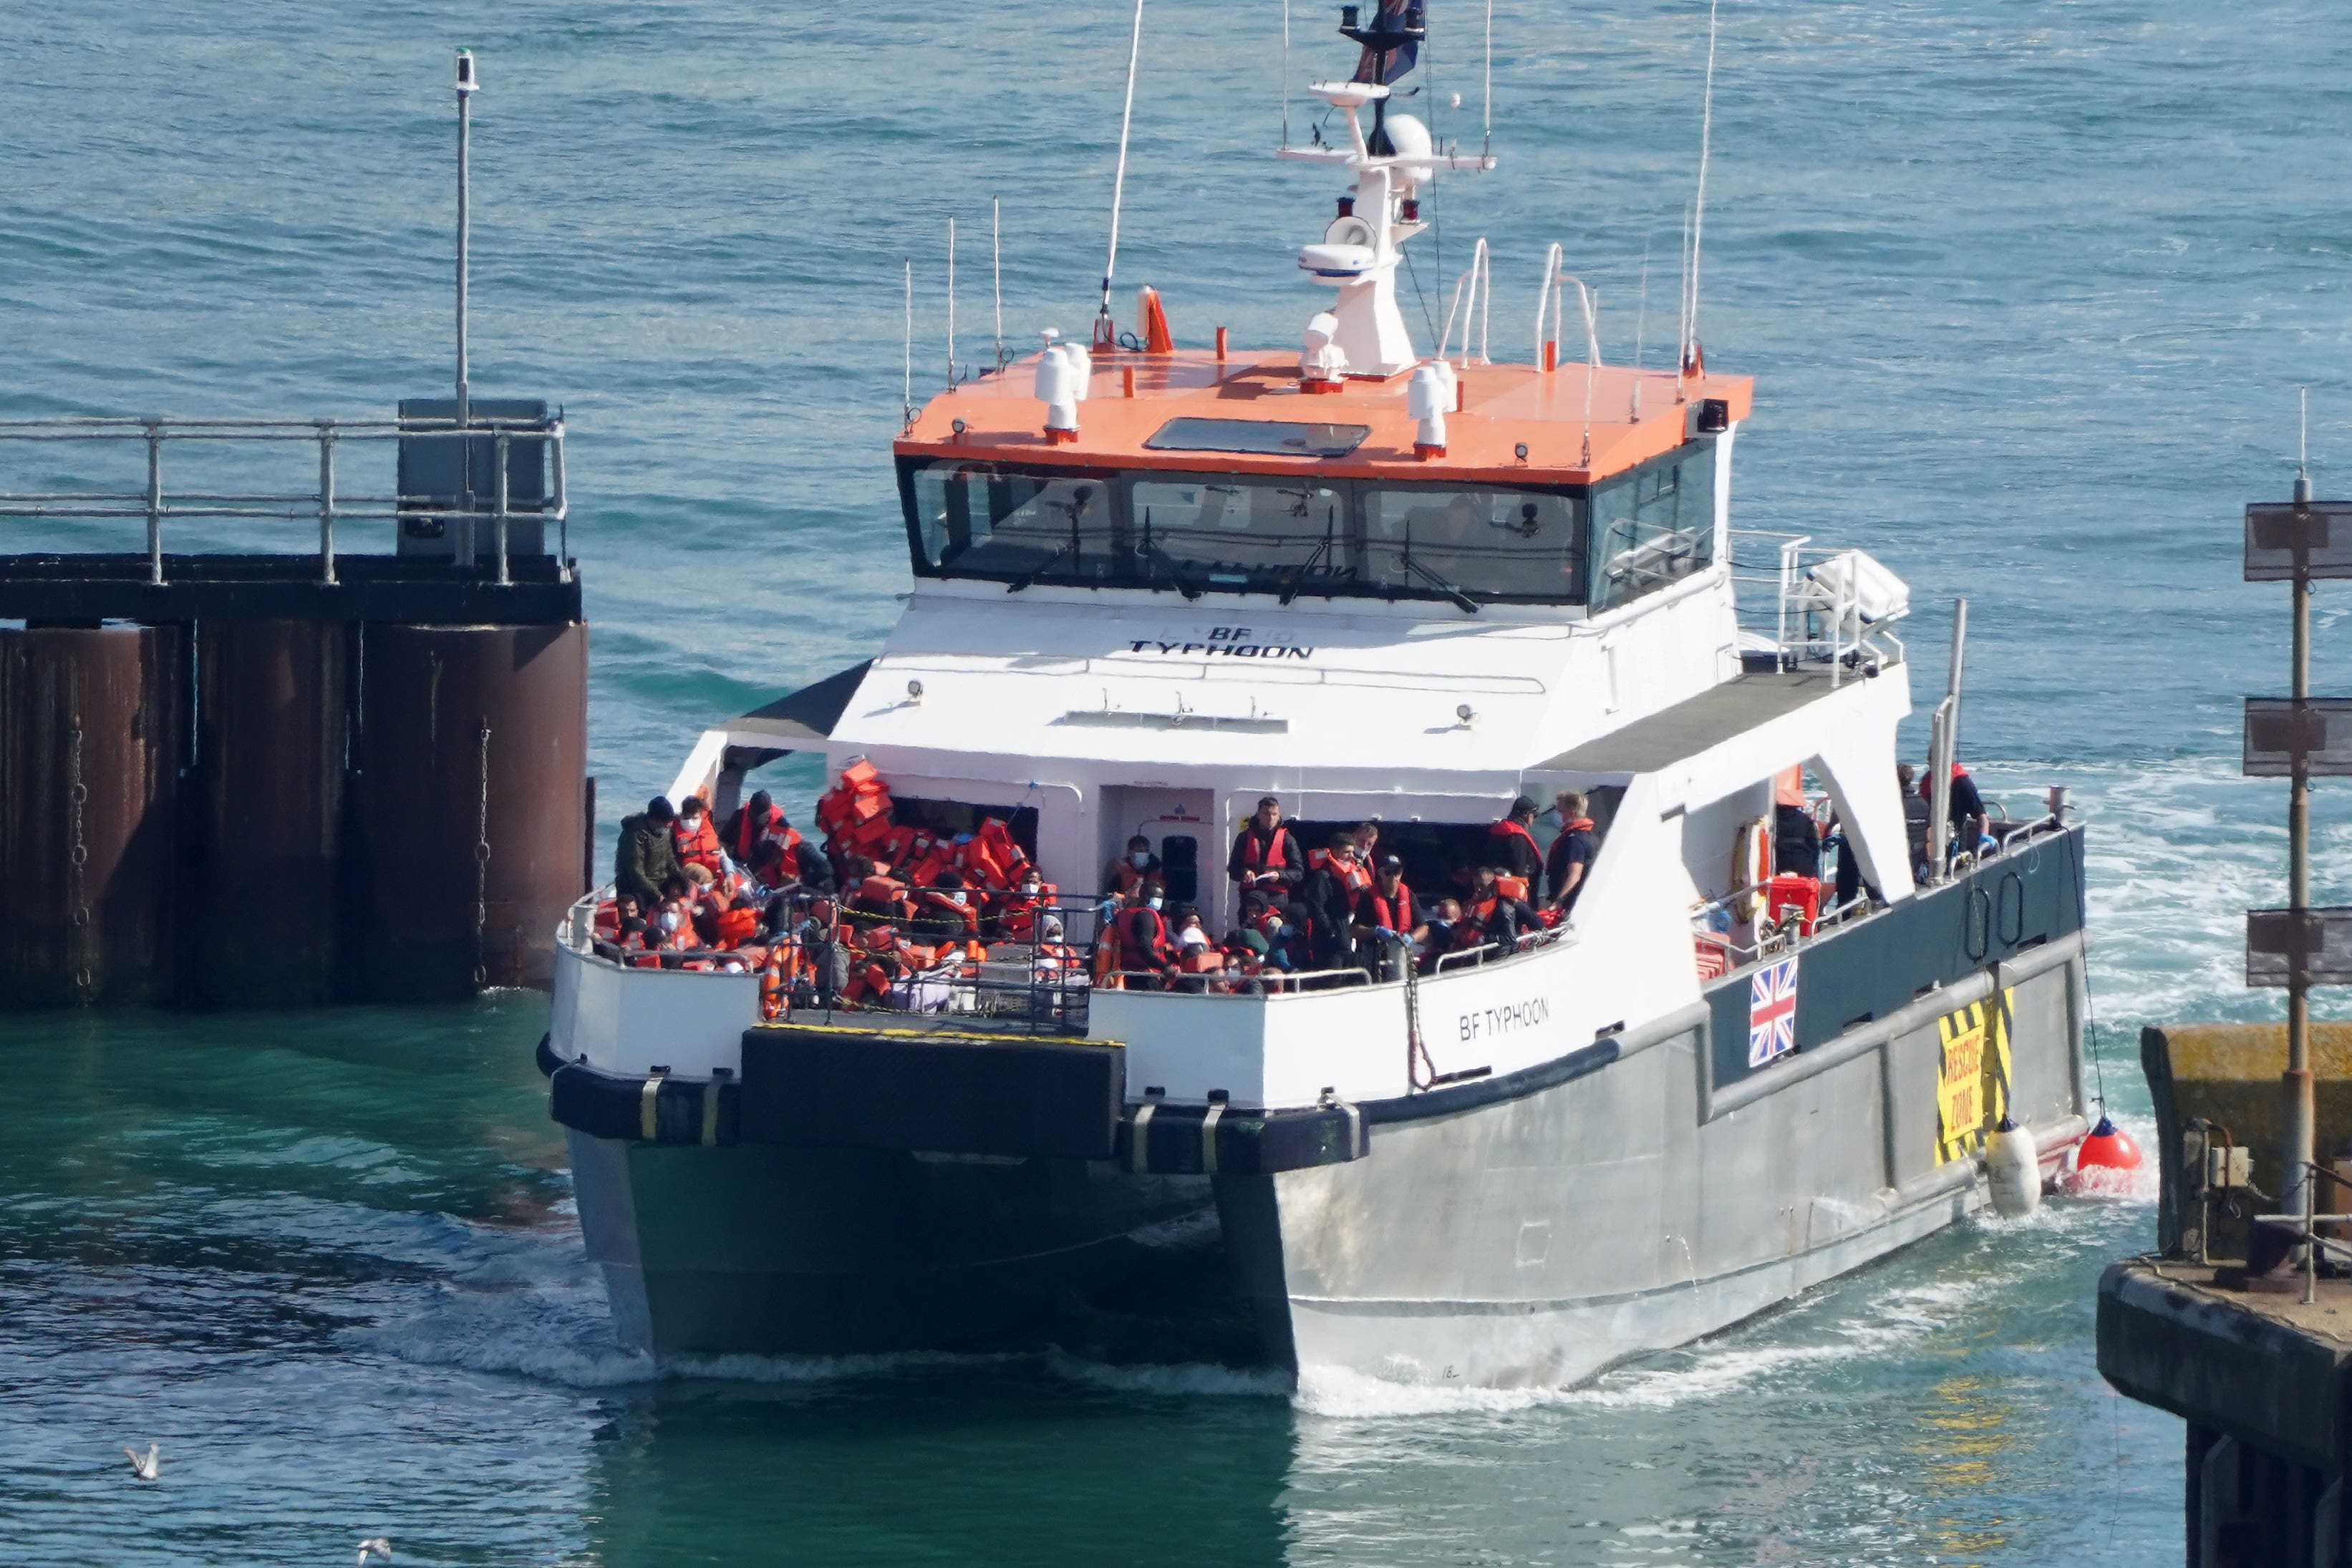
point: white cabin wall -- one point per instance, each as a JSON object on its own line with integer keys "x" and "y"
{"x": 1711, "y": 831}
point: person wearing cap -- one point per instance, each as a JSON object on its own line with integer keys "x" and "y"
{"x": 646, "y": 855}
{"x": 1511, "y": 846}
{"x": 1387, "y": 923}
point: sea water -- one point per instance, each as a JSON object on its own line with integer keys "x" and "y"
{"x": 2028, "y": 291}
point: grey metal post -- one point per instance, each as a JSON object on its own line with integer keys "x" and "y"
{"x": 466, "y": 87}
{"x": 1945, "y": 750}
{"x": 327, "y": 502}
{"x": 2301, "y": 1134}
{"x": 155, "y": 501}
{"x": 500, "y": 522}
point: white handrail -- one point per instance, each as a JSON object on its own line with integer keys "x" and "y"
{"x": 1479, "y": 282}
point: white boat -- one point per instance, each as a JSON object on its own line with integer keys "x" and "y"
{"x": 1153, "y": 585}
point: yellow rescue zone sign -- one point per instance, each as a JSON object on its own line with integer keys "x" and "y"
{"x": 1973, "y": 1085}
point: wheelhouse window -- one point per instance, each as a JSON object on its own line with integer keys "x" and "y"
{"x": 1262, "y": 533}
{"x": 1487, "y": 543}
{"x": 1653, "y": 527}
{"x": 1235, "y": 533}
{"x": 985, "y": 520}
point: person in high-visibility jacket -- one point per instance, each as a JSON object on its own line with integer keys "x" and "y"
{"x": 1511, "y": 845}
{"x": 696, "y": 841}
{"x": 1387, "y": 923}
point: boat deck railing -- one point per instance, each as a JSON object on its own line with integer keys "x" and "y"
{"x": 1768, "y": 935}
{"x": 1808, "y": 622}
{"x": 327, "y": 502}
{"x": 1026, "y": 985}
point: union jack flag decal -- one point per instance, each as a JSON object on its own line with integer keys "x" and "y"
{"x": 1772, "y": 1012}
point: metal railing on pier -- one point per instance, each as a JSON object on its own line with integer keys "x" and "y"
{"x": 510, "y": 442}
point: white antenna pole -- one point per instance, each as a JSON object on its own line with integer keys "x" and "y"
{"x": 1682, "y": 311}
{"x": 951, "y": 379}
{"x": 1486, "y": 93}
{"x": 1698, "y": 209}
{"x": 1104, "y": 331}
{"x": 1285, "y": 75}
{"x": 1641, "y": 305}
{"x": 910, "y": 393}
{"x": 996, "y": 263}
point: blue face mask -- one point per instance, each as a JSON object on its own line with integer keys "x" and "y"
{"x": 1289, "y": 930}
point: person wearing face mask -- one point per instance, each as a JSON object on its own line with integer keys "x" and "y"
{"x": 1324, "y": 906}
{"x": 1121, "y": 877}
{"x": 945, "y": 909}
{"x": 1016, "y": 920}
{"x": 696, "y": 841}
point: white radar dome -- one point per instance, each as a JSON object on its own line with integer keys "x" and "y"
{"x": 1411, "y": 138}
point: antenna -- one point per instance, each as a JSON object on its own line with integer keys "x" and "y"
{"x": 951, "y": 376}
{"x": 996, "y": 263}
{"x": 1285, "y": 75}
{"x": 1106, "y": 334}
{"x": 1487, "y": 95}
{"x": 1642, "y": 311}
{"x": 468, "y": 84}
{"x": 909, "y": 394}
{"x": 1681, "y": 310}
{"x": 1698, "y": 207}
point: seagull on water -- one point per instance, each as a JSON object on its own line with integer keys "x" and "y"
{"x": 374, "y": 1546}
{"x": 145, "y": 1467}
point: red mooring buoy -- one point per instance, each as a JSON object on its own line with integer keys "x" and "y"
{"x": 2108, "y": 1146}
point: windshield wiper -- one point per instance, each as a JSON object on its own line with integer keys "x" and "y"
{"x": 1298, "y": 574}
{"x": 1462, "y": 601}
{"x": 1040, "y": 569}
{"x": 1167, "y": 563}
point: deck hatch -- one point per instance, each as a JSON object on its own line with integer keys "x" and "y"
{"x": 1266, "y": 438}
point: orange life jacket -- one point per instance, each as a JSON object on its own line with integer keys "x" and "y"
{"x": 1142, "y": 936}
{"x": 737, "y": 926}
{"x": 1270, "y": 852}
{"x": 1508, "y": 829}
{"x": 750, "y": 833}
{"x": 699, "y": 848}
{"x": 1375, "y": 909}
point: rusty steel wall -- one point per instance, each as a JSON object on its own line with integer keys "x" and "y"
{"x": 273, "y": 700}
{"x": 468, "y": 806}
{"x": 92, "y": 733}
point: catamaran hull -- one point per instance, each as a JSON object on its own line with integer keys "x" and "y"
{"x": 1535, "y": 1239}
{"x": 822, "y": 1251}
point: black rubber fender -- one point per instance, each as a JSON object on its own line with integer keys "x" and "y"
{"x": 1180, "y": 1140}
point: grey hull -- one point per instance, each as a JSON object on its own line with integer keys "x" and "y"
{"x": 1535, "y": 1239}
{"x": 767, "y": 1250}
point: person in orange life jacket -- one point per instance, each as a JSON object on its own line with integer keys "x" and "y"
{"x": 1387, "y": 923}
{"x": 736, "y": 924}
{"x": 1327, "y": 903}
{"x": 1265, "y": 856}
{"x": 1501, "y": 918}
{"x": 1142, "y": 930}
{"x": 1512, "y": 849}
{"x": 756, "y": 821}
{"x": 696, "y": 841}
{"x": 1570, "y": 860}
{"x": 945, "y": 909}
{"x": 1122, "y": 875}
